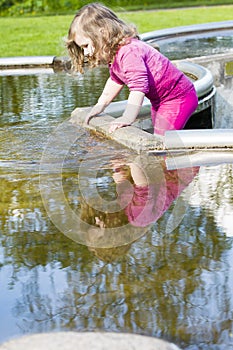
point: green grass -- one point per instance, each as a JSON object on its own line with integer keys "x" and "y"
{"x": 161, "y": 19}
{"x": 36, "y": 36}
{"x": 33, "y": 36}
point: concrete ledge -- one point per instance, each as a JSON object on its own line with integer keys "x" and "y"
{"x": 216, "y": 64}
{"x": 130, "y": 136}
{"x": 187, "y": 30}
{"x": 36, "y": 62}
{"x": 26, "y": 71}
{"x": 87, "y": 341}
{"x": 27, "y": 61}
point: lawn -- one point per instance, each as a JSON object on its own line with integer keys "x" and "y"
{"x": 36, "y": 36}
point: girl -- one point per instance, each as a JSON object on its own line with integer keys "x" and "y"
{"x": 98, "y": 35}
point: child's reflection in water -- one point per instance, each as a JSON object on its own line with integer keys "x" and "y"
{"x": 154, "y": 190}
{"x": 145, "y": 190}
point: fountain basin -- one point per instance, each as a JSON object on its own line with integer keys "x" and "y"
{"x": 193, "y": 40}
{"x": 53, "y": 285}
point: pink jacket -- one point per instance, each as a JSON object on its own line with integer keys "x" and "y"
{"x": 143, "y": 68}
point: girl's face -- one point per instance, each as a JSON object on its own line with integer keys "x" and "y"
{"x": 85, "y": 43}
{"x": 121, "y": 173}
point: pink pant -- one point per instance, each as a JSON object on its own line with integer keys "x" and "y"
{"x": 174, "y": 114}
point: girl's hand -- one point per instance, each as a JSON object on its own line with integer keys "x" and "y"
{"x": 131, "y": 112}
{"x": 110, "y": 91}
{"x": 95, "y": 111}
{"x": 117, "y": 124}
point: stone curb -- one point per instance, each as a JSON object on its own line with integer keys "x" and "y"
{"x": 27, "y": 61}
{"x": 189, "y": 29}
{"x": 57, "y": 63}
{"x": 87, "y": 341}
{"x": 130, "y": 136}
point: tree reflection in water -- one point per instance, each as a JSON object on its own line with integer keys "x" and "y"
{"x": 177, "y": 285}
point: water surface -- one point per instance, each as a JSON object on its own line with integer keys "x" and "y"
{"x": 173, "y": 284}
{"x": 196, "y": 45}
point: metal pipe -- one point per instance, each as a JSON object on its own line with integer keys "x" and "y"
{"x": 200, "y": 158}
{"x": 203, "y": 138}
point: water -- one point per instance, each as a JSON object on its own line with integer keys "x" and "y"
{"x": 173, "y": 276}
{"x": 196, "y": 45}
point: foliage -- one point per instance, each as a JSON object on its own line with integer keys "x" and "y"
{"x": 35, "y": 7}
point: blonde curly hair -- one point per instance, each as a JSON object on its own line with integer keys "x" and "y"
{"x": 94, "y": 19}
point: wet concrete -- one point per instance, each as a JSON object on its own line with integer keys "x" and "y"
{"x": 87, "y": 341}
{"x": 130, "y": 136}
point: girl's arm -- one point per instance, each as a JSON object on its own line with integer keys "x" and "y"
{"x": 138, "y": 175}
{"x": 110, "y": 91}
{"x": 131, "y": 112}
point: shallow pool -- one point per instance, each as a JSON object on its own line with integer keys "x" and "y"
{"x": 169, "y": 275}
{"x": 195, "y": 45}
